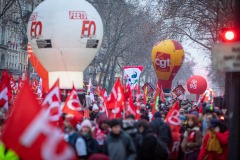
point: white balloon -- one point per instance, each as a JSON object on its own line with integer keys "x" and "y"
{"x": 65, "y": 35}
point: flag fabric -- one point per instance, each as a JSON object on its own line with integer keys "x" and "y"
{"x": 39, "y": 88}
{"x": 115, "y": 102}
{"x": 131, "y": 75}
{"x": 34, "y": 85}
{"x": 90, "y": 90}
{"x": 131, "y": 108}
{"x": 4, "y": 93}
{"x": 200, "y": 102}
{"x": 162, "y": 96}
{"x": 52, "y": 103}
{"x": 156, "y": 99}
{"x": 179, "y": 90}
{"x": 30, "y": 134}
{"x": 73, "y": 106}
{"x": 13, "y": 85}
{"x": 5, "y": 84}
{"x": 102, "y": 101}
{"x": 173, "y": 117}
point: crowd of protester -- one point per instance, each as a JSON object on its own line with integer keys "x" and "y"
{"x": 202, "y": 135}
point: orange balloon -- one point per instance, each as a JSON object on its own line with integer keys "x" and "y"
{"x": 167, "y": 58}
{"x": 38, "y": 67}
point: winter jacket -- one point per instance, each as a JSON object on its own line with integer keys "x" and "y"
{"x": 147, "y": 149}
{"x": 91, "y": 144}
{"x": 162, "y": 130}
{"x": 120, "y": 147}
{"x": 78, "y": 144}
{"x": 211, "y": 155}
{"x": 192, "y": 140}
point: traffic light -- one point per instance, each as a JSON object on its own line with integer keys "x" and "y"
{"x": 228, "y": 35}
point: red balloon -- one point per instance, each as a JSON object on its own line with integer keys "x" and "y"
{"x": 196, "y": 84}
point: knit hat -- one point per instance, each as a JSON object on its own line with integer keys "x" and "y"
{"x": 195, "y": 113}
{"x": 95, "y": 107}
{"x": 115, "y": 122}
{"x": 86, "y": 123}
{"x": 183, "y": 118}
{"x": 157, "y": 115}
{"x": 215, "y": 122}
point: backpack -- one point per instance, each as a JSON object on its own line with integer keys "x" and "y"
{"x": 161, "y": 150}
{"x": 163, "y": 132}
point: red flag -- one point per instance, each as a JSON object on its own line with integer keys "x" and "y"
{"x": 162, "y": 96}
{"x": 156, "y": 100}
{"x": 115, "y": 101}
{"x": 130, "y": 108}
{"x": 13, "y": 85}
{"x": 173, "y": 117}
{"x": 73, "y": 105}
{"x": 102, "y": 101}
{"x": 4, "y": 93}
{"x": 52, "y": 103}
{"x": 35, "y": 85}
{"x": 30, "y": 134}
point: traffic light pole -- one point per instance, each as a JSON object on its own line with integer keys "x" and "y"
{"x": 234, "y": 100}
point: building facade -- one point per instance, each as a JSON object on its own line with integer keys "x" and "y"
{"x": 13, "y": 37}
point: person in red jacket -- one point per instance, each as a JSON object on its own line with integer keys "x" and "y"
{"x": 215, "y": 144}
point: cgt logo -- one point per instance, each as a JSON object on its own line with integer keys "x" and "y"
{"x": 162, "y": 62}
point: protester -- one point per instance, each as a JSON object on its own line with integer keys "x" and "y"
{"x": 95, "y": 111}
{"x": 151, "y": 147}
{"x": 209, "y": 110}
{"x": 86, "y": 133}
{"x": 130, "y": 128}
{"x": 192, "y": 139}
{"x": 73, "y": 138}
{"x": 215, "y": 143}
{"x": 101, "y": 130}
{"x": 161, "y": 129}
{"x": 118, "y": 144}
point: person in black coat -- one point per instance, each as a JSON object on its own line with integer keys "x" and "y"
{"x": 148, "y": 142}
{"x": 161, "y": 129}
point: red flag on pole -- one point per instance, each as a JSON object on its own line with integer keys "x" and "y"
{"x": 102, "y": 101}
{"x": 162, "y": 96}
{"x": 4, "y": 94}
{"x": 34, "y": 85}
{"x": 73, "y": 105}
{"x": 173, "y": 117}
{"x": 156, "y": 99}
{"x": 52, "y": 103}
{"x": 115, "y": 101}
{"x": 31, "y": 135}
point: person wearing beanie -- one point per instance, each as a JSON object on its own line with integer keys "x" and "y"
{"x": 161, "y": 129}
{"x": 73, "y": 138}
{"x": 86, "y": 133}
{"x": 118, "y": 144}
{"x": 215, "y": 143}
{"x": 192, "y": 139}
{"x": 94, "y": 112}
{"x": 101, "y": 130}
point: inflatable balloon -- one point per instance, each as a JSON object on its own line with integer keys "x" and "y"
{"x": 167, "y": 58}
{"x": 196, "y": 84}
{"x": 38, "y": 67}
{"x": 65, "y": 35}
